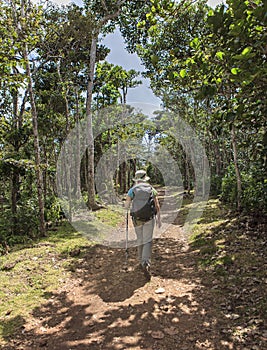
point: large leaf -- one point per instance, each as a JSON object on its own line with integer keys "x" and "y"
{"x": 220, "y": 55}
{"x": 235, "y": 70}
{"x": 183, "y": 73}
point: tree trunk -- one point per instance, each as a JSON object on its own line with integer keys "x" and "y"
{"x": 205, "y": 166}
{"x": 67, "y": 163}
{"x": 126, "y": 174}
{"x": 89, "y": 97}
{"x": 129, "y": 175}
{"x": 123, "y": 177}
{"x": 124, "y": 92}
{"x": 14, "y": 198}
{"x": 237, "y": 172}
{"x": 38, "y": 172}
{"x": 187, "y": 174}
{"x": 15, "y": 171}
{"x": 90, "y": 137}
{"x": 69, "y": 188}
{"x": 45, "y": 172}
{"x": 78, "y": 150}
{"x": 118, "y": 166}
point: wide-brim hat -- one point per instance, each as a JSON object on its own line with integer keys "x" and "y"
{"x": 140, "y": 175}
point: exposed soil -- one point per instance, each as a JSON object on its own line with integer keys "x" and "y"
{"x": 102, "y": 306}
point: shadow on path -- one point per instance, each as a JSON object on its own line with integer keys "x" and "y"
{"x": 102, "y": 307}
{"x": 183, "y": 307}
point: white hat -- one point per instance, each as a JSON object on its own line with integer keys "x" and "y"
{"x": 140, "y": 175}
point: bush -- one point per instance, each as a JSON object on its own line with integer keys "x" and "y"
{"x": 229, "y": 190}
{"x": 254, "y": 189}
{"x": 53, "y": 211}
{"x": 254, "y": 194}
{"x": 215, "y": 185}
{"x": 19, "y": 228}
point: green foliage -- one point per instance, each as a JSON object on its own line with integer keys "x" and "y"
{"x": 29, "y": 274}
{"x": 208, "y": 64}
{"x": 254, "y": 196}
{"x": 229, "y": 189}
{"x": 53, "y": 210}
{"x": 19, "y": 227}
{"x": 216, "y": 185}
{"x": 112, "y": 83}
{"x": 155, "y": 175}
{"x": 254, "y": 189}
{"x": 58, "y": 42}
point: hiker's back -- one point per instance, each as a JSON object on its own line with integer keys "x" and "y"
{"x": 143, "y": 205}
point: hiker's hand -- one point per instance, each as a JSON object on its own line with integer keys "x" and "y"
{"x": 127, "y": 203}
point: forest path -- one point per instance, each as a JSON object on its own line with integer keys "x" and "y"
{"x": 101, "y": 306}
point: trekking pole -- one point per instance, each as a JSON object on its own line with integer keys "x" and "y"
{"x": 126, "y": 240}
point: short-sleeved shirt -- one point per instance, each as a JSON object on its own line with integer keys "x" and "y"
{"x": 131, "y": 193}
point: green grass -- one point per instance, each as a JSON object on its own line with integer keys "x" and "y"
{"x": 208, "y": 237}
{"x": 111, "y": 216}
{"x": 37, "y": 271}
{"x": 227, "y": 247}
{"x": 31, "y": 272}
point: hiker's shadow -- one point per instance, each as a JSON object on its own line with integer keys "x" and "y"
{"x": 104, "y": 273}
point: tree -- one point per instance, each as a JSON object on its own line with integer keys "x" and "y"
{"x": 215, "y": 61}
{"x": 104, "y": 12}
{"x": 24, "y": 28}
{"x": 232, "y": 65}
{"x": 112, "y": 83}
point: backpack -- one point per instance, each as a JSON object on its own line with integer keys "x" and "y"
{"x": 143, "y": 205}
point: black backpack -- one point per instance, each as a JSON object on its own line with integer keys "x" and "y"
{"x": 143, "y": 205}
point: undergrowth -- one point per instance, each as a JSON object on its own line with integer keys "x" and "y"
{"x": 231, "y": 251}
{"x": 29, "y": 274}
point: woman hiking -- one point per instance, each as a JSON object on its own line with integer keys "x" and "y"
{"x": 145, "y": 209}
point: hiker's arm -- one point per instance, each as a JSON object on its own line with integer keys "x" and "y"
{"x": 158, "y": 211}
{"x": 127, "y": 202}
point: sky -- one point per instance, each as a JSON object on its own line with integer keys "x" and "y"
{"x": 119, "y": 56}
{"x": 79, "y": 2}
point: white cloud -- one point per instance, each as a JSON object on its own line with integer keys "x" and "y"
{"x": 61, "y": 2}
{"x": 214, "y": 3}
{"x": 66, "y": 2}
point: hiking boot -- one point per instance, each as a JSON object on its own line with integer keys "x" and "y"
{"x": 146, "y": 270}
{"x": 139, "y": 268}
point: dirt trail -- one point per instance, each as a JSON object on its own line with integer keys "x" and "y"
{"x": 103, "y": 307}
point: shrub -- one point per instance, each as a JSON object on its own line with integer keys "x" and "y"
{"x": 254, "y": 189}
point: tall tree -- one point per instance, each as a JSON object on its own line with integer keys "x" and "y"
{"x": 104, "y": 12}
{"x": 112, "y": 83}
{"x": 23, "y": 31}
{"x": 26, "y": 19}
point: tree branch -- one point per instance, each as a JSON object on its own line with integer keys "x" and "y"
{"x": 112, "y": 15}
{"x": 104, "y": 5}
